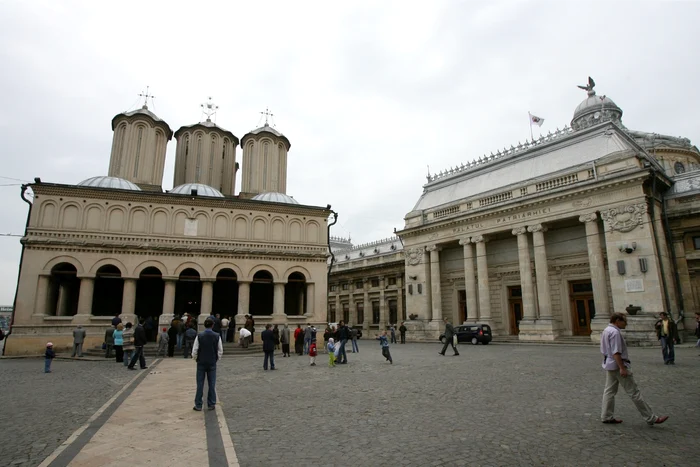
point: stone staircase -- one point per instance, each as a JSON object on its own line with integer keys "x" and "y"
{"x": 230, "y": 349}
{"x": 565, "y": 340}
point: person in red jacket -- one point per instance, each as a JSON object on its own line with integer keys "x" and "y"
{"x": 312, "y": 352}
{"x": 297, "y": 348}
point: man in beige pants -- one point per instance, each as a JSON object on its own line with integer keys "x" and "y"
{"x": 618, "y": 373}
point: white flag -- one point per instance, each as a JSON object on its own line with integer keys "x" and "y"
{"x": 535, "y": 120}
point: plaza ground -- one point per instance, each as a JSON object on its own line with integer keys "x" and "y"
{"x": 492, "y": 405}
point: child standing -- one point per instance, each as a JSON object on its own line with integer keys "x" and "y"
{"x": 312, "y": 352}
{"x": 48, "y": 357}
{"x": 384, "y": 342}
{"x": 331, "y": 352}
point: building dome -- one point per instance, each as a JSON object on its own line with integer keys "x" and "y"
{"x": 109, "y": 182}
{"x": 202, "y": 190}
{"x": 595, "y": 109}
{"x": 275, "y": 198}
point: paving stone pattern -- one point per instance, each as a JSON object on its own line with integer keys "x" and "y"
{"x": 492, "y": 405}
{"x": 39, "y": 411}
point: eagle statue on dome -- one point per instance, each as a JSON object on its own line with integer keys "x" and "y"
{"x": 589, "y": 87}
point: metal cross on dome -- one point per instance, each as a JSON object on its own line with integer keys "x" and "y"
{"x": 267, "y": 114}
{"x": 209, "y": 109}
{"x": 145, "y": 96}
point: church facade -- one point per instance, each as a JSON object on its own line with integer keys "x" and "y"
{"x": 548, "y": 238}
{"x": 119, "y": 244}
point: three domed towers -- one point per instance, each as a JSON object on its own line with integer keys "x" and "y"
{"x": 205, "y": 154}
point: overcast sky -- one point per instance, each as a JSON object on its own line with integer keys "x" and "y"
{"x": 368, "y": 92}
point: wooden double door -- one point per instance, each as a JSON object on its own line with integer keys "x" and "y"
{"x": 515, "y": 308}
{"x": 582, "y": 307}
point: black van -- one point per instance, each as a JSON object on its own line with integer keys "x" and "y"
{"x": 473, "y": 333}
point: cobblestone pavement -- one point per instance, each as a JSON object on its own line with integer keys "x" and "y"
{"x": 39, "y": 411}
{"x": 492, "y": 405}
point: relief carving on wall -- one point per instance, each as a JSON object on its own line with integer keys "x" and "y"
{"x": 582, "y": 203}
{"x": 589, "y": 217}
{"x": 414, "y": 256}
{"x": 625, "y": 218}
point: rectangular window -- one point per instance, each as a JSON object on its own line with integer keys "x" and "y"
{"x": 392, "y": 281}
{"x": 346, "y": 313}
{"x": 359, "y": 285}
{"x": 375, "y": 282}
{"x": 331, "y": 313}
{"x": 334, "y": 288}
{"x": 360, "y": 313}
{"x": 346, "y": 286}
{"x": 375, "y": 312}
{"x": 696, "y": 243}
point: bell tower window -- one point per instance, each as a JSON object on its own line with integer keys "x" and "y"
{"x": 138, "y": 151}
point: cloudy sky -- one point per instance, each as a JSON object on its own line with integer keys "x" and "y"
{"x": 369, "y": 92}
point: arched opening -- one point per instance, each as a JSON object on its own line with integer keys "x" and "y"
{"x": 262, "y": 291}
{"x": 149, "y": 299}
{"x": 295, "y": 295}
{"x": 188, "y": 294}
{"x": 64, "y": 288}
{"x": 225, "y": 301}
{"x": 109, "y": 289}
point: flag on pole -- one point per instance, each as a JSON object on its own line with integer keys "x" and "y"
{"x": 535, "y": 120}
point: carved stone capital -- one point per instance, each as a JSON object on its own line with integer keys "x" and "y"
{"x": 479, "y": 239}
{"x": 625, "y": 218}
{"x": 589, "y": 217}
{"x": 537, "y": 228}
{"x": 432, "y": 248}
{"x": 464, "y": 241}
{"x": 520, "y": 231}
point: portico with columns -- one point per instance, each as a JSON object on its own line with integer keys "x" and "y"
{"x": 544, "y": 240}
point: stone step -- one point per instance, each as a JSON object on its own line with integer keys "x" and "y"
{"x": 150, "y": 350}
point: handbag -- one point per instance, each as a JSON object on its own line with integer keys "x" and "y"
{"x": 454, "y": 340}
{"x": 104, "y": 346}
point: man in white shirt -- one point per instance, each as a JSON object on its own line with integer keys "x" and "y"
{"x": 618, "y": 373}
{"x": 244, "y": 337}
{"x": 224, "y": 328}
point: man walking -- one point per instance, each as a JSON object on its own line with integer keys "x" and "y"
{"x": 353, "y": 339}
{"x": 268, "y": 339}
{"x": 284, "y": 338}
{"x": 392, "y": 329}
{"x": 207, "y": 350}
{"x": 344, "y": 335}
{"x": 402, "y": 332}
{"x": 109, "y": 342}
{"x": 449, "y": 334}
{"x": 78, "y": 340}
{"x": 667, "y": 333}
{"x": 139, "y": 342}
{"x": 617, "y": 365}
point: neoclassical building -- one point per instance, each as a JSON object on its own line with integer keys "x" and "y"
{"x": 367, "y": 284}
{"x": 119, "y": 244}
{"x": 549, "y": 237}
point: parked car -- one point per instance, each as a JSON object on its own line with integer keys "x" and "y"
{"x": 473, "y": 333}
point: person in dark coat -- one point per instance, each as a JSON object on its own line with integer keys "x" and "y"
{"x": 268, "y": 339}
{"x": 449, "y": 333}
{"x": 207, "y": 350}
{"x": 139, "y": 342}
{"x": 402, "y": 331}
{"x": 276, "y": 333}
{"x": 173, "y": 331}
{"x": 190, "y": 337}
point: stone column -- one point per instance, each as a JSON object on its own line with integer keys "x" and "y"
{"x": 367, "y": 311}
{"x": 541, "y": 271}
{"x": 169, "y": 302}
{"x": 278, "y": 300}
{"x": 529, "y": 310}
{"x": 87, "y": 287}
{"x": 129, "y": 301}
{"x": 482, "y": 267}
{"x": 435, "y": 291}
{"x": 205, "y": 304}
{"x": 351, "y": 304}
{"x": 382, "y": 305}
{"x": 598, "y": 281}
{"x": 243, "y": 298}
{"x": 310, "y": 299}
{"x": 338, "y": 311}
{"x": 42, "y": 295}
{"x": 469, "y": 280}
{"x": 399, "y": 299}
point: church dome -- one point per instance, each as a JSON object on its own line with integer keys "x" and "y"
{"x": 202, "y": 190}
{"x": 595, "y": 109}
{"x": 272, "y": 197}
{"x": 109, "y": 182}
